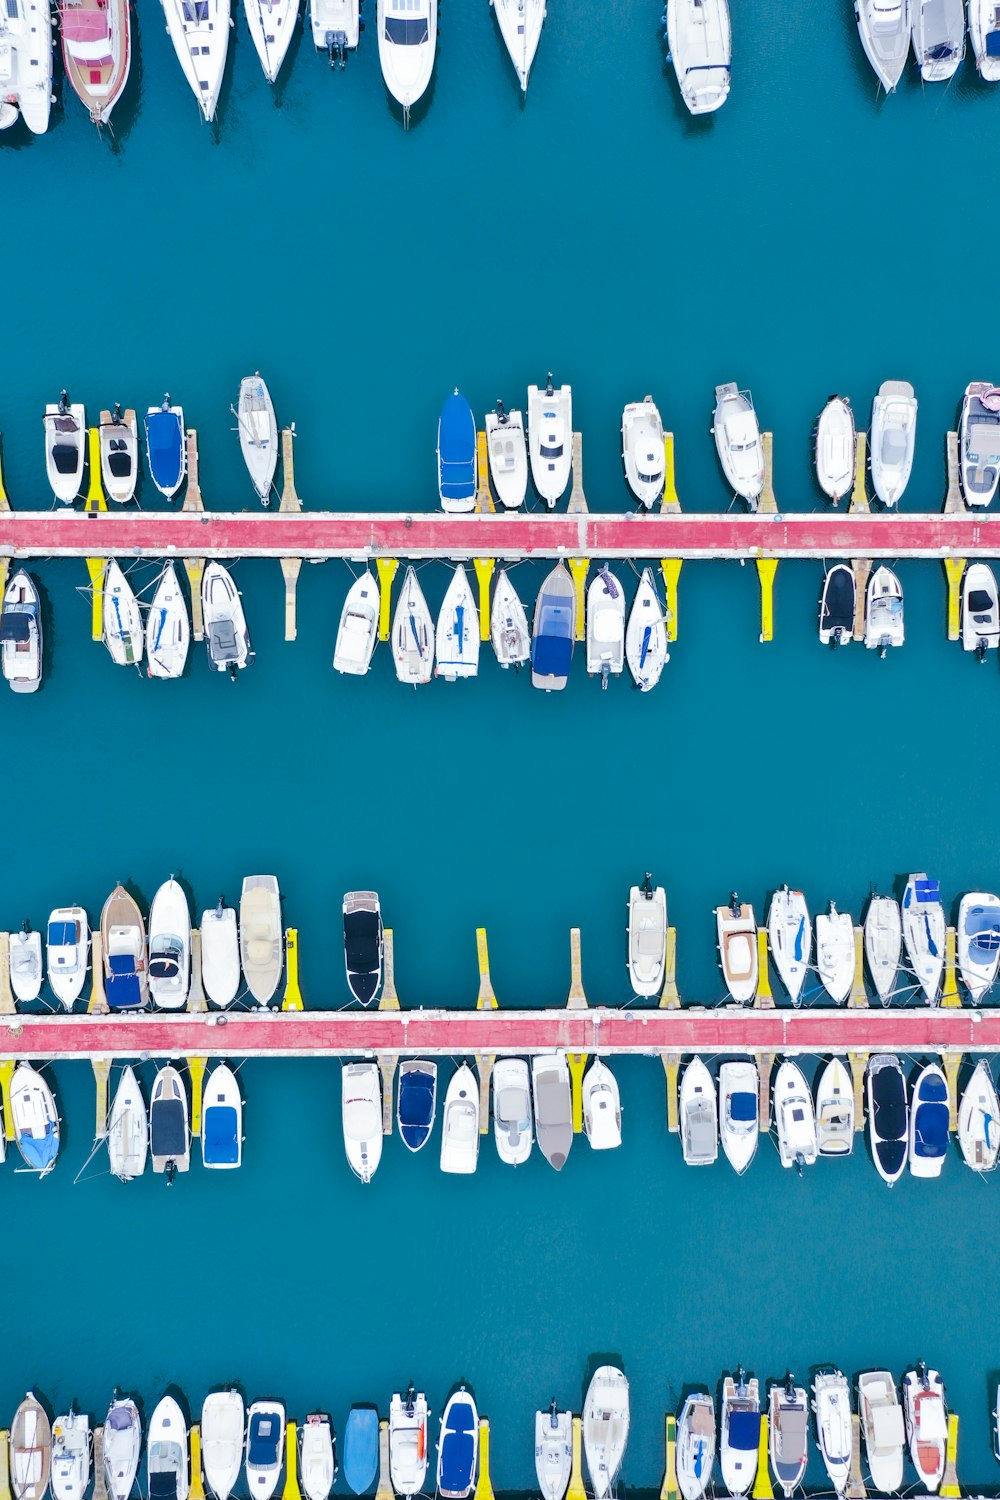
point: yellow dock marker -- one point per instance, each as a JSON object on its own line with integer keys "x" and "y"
{"x": 670, "y": 567}
{"x": 194, "y": 567}
{"x": 291, "y": 1490}
{"x": 576, "y": 1490}
{"x": 100, "y": 1490}
{"x": 669, "y": 1489}
{"x": 97, "y": 1004}
{"x": 293, "y": 994}
{"x": 762, "y": 1481}
{"x": 949, "y": 1480}
{"x": 95, "y": 490}
{"x": 766, "y": 569}
{"x": 7, "y": 1005}
{"x": 579, "y": 567}
{"x": 860, "y": 567}
{"x": 4, "y": 1464}
{"x": 765, "y": 1062}
{"x": 386, "y": 573}
{"x": 954, "y": 500}
{"x": 95, "y": 565}
{"x": 767, "y": 505}
{"x": 102, "y": 1072}
{"x": 858, "y": 998}
{"x": 486, "y": 1000}
{"x": 7, "y": 1067}
{"x": 951, "y": 1065}
{"x": 855, "y": 1483}
{"x": 196, "y": 991}
{"x": 289, "y": 494}
{"x": 764, "y": 999}
{"x": 670, "y": 501}
{"x": 950, "y": 995}
{"x": 484, "y": 572}
{"x": 858, "y": 1062}
{"x": 388, "y": 1000}
{"x": 577, "y": 499}
{"x": 4, "y": 502}
{"x": 385, "y": 1490}
{"x": 954, "y": 567}
{"x": 670, "y": 998}
{"x": 484, "y": 495}
{"x": 484, "y": 1485}
{"x": 859, "y": 494}
{"x": 576, "y": 1000}
{"x": 197, "y": 1488}
{"x": 196, "y": 1067}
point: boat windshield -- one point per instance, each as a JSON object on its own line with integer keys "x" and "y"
{"x": 406, "y": 31}
{"x": 550, "y": 450}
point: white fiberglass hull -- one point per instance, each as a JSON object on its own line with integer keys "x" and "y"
{"x": 223, "y": 1425}
{"x": 606, "y": 1415}
{"x": 979, "y": 1120}
{"x": 358, "y": 632}
{"x": 119, "y": 441}
{"x": 790, "y": 938}
{"x": 795, "y": 1117}
{"x": 200, "y": 35}
{"x": 739, "y": 1086}
{"x": 835, "y": 448}
{"x": 520, "y": 23}
{"x": 412, "y": 633}
{"x": 835, "y": 1110}
{"x": 407, "y": 43}
{"x": 646, "y": 642}
{"x": 509, "y": 632}
{"x": 550, "y": 439}
{"x": 169, "y": 947}
{"x": 643, "y": 452}
{"x": 220, "y": 955}
{"x": 893, "y": 435}
{"x": 699, "y": 37}
{"x": 835, "y": 953}
{"x": 258, "y": 427}
{"x": 168, "y": 631}
{"x": 605, "y": 626}
{"x": 508, "y": 457}
{"x": 260, "y": 936}
{"x": 123, "y": 633}
{"x": 883, "y": 944}
{"x": 457, "y": 640}
{"x": 272, "y": 25}
{"x": 128, "y": 1129}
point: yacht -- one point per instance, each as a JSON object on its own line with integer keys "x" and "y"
{"x": 506, "y": 445}
{"x": 122, "y": 1447}
{"x": 643, "y": 451}
{"x": 199, "y": 30}
{"x": 835, "y": 1110}
{"x": 606, "y": 1415}
{"x": 738, "y": 441}
{"x": 24, "y": 961}
{"x": 168, "y": 630}
{"x": 788, "y": 1432}
{"x": 605, "y": 627}
{"x": 739, "y": 1432}
{"x": 457, "y": 638}
{"x": 458, "y": 1447}
{"x": 226, "y": 634}
{"x": 979, "y": 426}
{"x": 984, "y": 34}
{"x": 29, "y": 1450}
{"x": 412, "y": 633}
{"x": 929, "y": 1116}
{"x": 836, "y": 607}
{"x": 408, "y": 1443}
{"x": 924, "y": 928}
{"x": 884, "y": 612}
{"x": 938, "y": 38}
{"x": 739, "y": 1086}
{"x": 790, "y": 939}
{"x": 795, "y": 1118}
{"x": 220, "y": 954}
{"x": 647, "y": 936}
{"x": 458, "y": 466}
{"x": 35, "y": 1121}
{"x": 260, "y": 936}
{"x": 65, "y": 446}
{"x": 552, "y": 1096}
{"x": 358, "y": 632}
{"x": 128, "y": 1129}
{"x": 26, "y": 64}
{"x": 836, "y": 443}
{"x": 363, "y": 944}
{"x": 831, "y": 1404}
{"x": 699, "y": 37}
{"x": 883, "y": 944}
{"x": 256, "y": 423}
{"x": 361, "y": 1098}
{"x": 980, "y": 610}
{"x": 835, "y": 953}
{"x": 553, "y": 1451}
{"x": 602, "y": 1111}
{"x": 646, "y": 644}
{"x": 169, "y": 947}
{"x": 71, "y": 1448}
{"x": 460, "y": 1123}
{"x": 882, "y": 1429}
{"x": 223, "y": 1423}
{"x": 893, "y": 434}
{"x": 97, "y": 53}
{"x": 317, "y": 1463}
{"x": 265, "y": 1446}
{"x": 695, "y": 1452}
{"x": 550, "y": 439}
{"x": 222, "y": 1121}
{"x": 407, "y": 42}
{"x": 979, "y": 1120}
{"x": 122, "y": 622}
{"x": 520, "y": 23}
{"x": 166, "y": 453}
{"x": 21, "y": 634}
{"x": 888, "y": 1120}
{"x": 272, "y": 25}
{"x": 67, "y": 948}
{"x": 119, "y": 444}
{"x": 509, "y": 631}
{"x": 169, "y": 1126}
{"x": 699, "y": 1115}
{"x": 167, "y": 1452}
{"x": 336, "y": 27}
{"x": 978, "y": 942}
{"x": 512, "y": 1124}
{"x": 416, "y": 1102}
{"x": 737, "y": 936}
{"x": 926, "y": 1420}
{"x": 554, "y": 631}
{"x": 885, "y": 35}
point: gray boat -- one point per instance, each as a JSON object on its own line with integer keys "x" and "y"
{"x": 553, "y": 1107}
{"x": 554, "y": 631}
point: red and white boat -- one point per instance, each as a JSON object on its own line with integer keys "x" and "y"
{"x": 97, "y": 52}
{"x": 926, "y": 1424}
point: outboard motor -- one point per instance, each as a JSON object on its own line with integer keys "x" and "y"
{"x": 605, "y": 674}
{"x": 502, "y": 416}
{"x": 336, "y": 45}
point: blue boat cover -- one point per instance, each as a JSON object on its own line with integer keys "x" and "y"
{"x": 743, "y": 1106}
{"x": 927, "y": 890}
{"x": 744, "y": 1430}
{"x": 551, "y": 655}
{"x": 122, "y": 985}
{"x": 993, "y": 44}
{"x": 457, "y": 1452}
{"x": 40, "y": 1151}
{"x": 221, "y": 1143}
{"x": 361, "y": 1448}
{"x": 930, "y": 1129}
{"x": 416, "y": 1107}
{"x": 162, "y": 1484}
{"x": 163, "y": 447}
{"x": 61, "y": 934}
{"x": 264, "y": 1439}
{"x": 457, "y": 450}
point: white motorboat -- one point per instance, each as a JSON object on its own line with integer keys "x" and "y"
{"x": 358, "y": 632}
{"x": 888, "y": 1119}
{"x": 119, "y": 443}
{"x": 980, "y": 610}
{"x": 885, "y": 35}
{"x": 29, "y": 1450}
{"x": 553, "y": 631}
{"x": 67, "y": 952}
{"x": 21, "y": 634}
{"x": 978, "y": 942}
{"x": 738, "y": 441}
{"x": 220, "y": 954}
{"x": 260, "y": 936}
{"x": 883, "y": 944}
{"x": 272, "y": 25}
{"x": 460, "y": 1123}
{"x": 605, "y": 626}
{"x": 26, "y": 64}
{"x": 407, "y": 42}
{"x": 65, "y": 446}
{"x": 458, "y": 1447}
{"x": 457, "y": 639}
{"x": 166, "y": 447}
{"x": 254, "y": 410}
{"x": 929, "y": 1122}
{"x": 169, "y": 947}
{"x": 124, "y": 951}
{"x": 836, "y": 606}
{"x": 984, "y": 34}
{"x": 643, "y": 451}
{"x": 789, "y": 936}
{"x": 169, "y": 1124}
{"x": 602, "y": 1110}
{"x": 739, "y": 1432}
{"x": 122, "y": 1447}
{"x": 882, "y": 1428}
{"x": 199, "y": 30}
{"x": 647, "y": 936}
{"x": 505, "y": 440}
{"x": 836, "y": 443}
{"x": 606, "y": 1415}
{"x": 222, "y": 1120}
{"x": 226, "y": 634}
{"x": 168, "y": 631}
{"x": 884, "y": 625}
{"x": 412, "y": 633}
{"x": 128, "y": 1129}
{"x": 552, "y": 1096}
{"x": 893, "y": 434}
{"x": 835, "y": 953}
{"x": 979, "y": 1120}
{"x": 361, "y": 1097}
{"x": 167, "y": 1452}
{"x": 695, "y": 1452}
{"x": 788, "y": 1434}
{"x": 699, "y": 1115}
{"x": 553, "y": 1451}
{"x": 794, "y": 1117}
{"x": 71, "y": 1449}
{"x": 336, "y": 27}
{"x": 223, "y": 1423}
{"x": 924, "y": 933}
{"x": 520, "y": 23}
{"x": 736, "y": 927}
{"x": 512, "y": 1125}
{"x": 832, "y": 1406}
{"x": 317, "y": 1464}
{"x": 550, "y": 439}
{"x": 24, "y": 957}
{"x": 646, "y": 648}
{"x": 835, "y": 1112}
{"x": 938, "y": 38}
{"x": 979, "y": 426}
{"x": 699, "y": 36}
{"x": 123, "y": 634}
{"x": 739, "y": 1085}
{"x": 509, "y": 631}
{"x": 34, "y": 1119}
{"x": 926, "y": 1421}
{"x": 265, "y": 1448}
{"x": 408, "y": 1443}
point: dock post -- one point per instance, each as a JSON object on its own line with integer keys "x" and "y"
{"x": 100, "y": 1490}
{"x": 576, "y": 1000}
{"x": 484, "y": 572}
{"x": 194, "y": 567}
{"x": 579, "y": 567}
{"x": 291, "y": 1490}
{"x": 385, "y": 1490}
{"x": 858, "y": 998}
{"x": 196, "y": 993}
{"x": 484, "y": 1484}
{"x": 97, "y": 1004}
{"x": 954, "y": 500}
{"x": 670, "y": 567}
{"x": 292, "y": 999}
{"x": 954, "y": 567}
{"x": 860, "y": 567}
{"x": 7, "y": 1005}
{"x": 7, "y": 1066}
{"x": 576, "y": 1490}
{"x": 949, "y": 1480}
{"x": 950, "y": 995}
{"x": 388, "y": 1000}
{"x": 764, "y": 999}
{"x": 196, "y": 1067}
{"x": 386, "y": 573}
{"x": 102, "y": 1072}
{"x": 197, "y": 1489}
{"x": 669, "y": 1489}
{"x": 484, "y": 495}
{"x": 859, "y": 494}
{"x": 486, "y": 1000}
{"x": 96, "y": 566}
{"x": 767, "y": 567}
{"x": 762, "y": 1480}
{"x": 951, "y": 1065}
{"x": 858, "y": 1062}
{"x": 670, "y": 501}
{"x": 855, "y": 1483}
{"x": 577, "y": 499}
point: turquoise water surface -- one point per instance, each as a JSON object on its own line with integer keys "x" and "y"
{"x": 810, "y": 238}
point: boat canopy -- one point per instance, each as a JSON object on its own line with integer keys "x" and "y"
{"x": 120, "y": 1418}
{"x": 222, "y": 641}
{"x": 63, "y": 934}
{"x": 931, "y": 1420}
{"x": 168, "y": 1128}
{"x": 39, "y": 1151}
{"x": 744, "y": 1431}
{"x": 743, "y": 1106}
{"x": 121, "y": 986}
{"x": 264, "y": 1439}
{"x": 221, "y": 1145}
{"x": 15, "y": 625}
{"x": 982, "y": 925}
{"x": 163, "y": 435}
{"x": 361, "y": 1447}
{"x": 701, "y": 1129}
{"x": 926, "y": 892}
{"x": 361, "y": 940}
{"x": 930, "y": 1124}
{"x": 417, "y": 1089}
{"x": 887, "y": 1426}
{"x": 889, "y": 1098}
{"x": 162, "y": 1482}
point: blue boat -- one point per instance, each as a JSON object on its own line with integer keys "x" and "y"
{"x": 457, "y": 454}
{"x": 554, "y": 629}
{"x": 361, "y": 1448}
{"x": 458, "y": 1447}
{"x": 165, "y": 447}
{"x": 416, "y": 1102}
{"x": 929, "y": 1127}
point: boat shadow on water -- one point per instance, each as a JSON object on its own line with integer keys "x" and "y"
{"x": 129, "y": 107}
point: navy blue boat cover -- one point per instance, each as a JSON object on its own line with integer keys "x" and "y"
{"x": 457, "y": 449}
{"x": 416, "y": 1107}
{"x": 163, "y": 443}
{"x": 744, "y": 1430}
{"x": 122, "y": 985}
{"x": 264, "y": 1440}
{"x": 166, "y": 1128}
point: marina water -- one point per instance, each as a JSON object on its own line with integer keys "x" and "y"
{"x": 809, "y": 238}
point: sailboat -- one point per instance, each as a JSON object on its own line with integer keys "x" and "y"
{"x": 122, "y": 1447}
{"x": 695, "y": 1445}
{"x": 520, "y": 23}
{"x": 128, "y": 1129}
{"x": 96, "y": 49}
{"x": 553, "y": 1451}
{"x": 255, "y": 419}
{"x": 199, "y": 30}
{"x": 924, "y": 933}
{"x": 71, "y": 1447}
{"x": 605, "y": 627}
{"x": 457, "y": 640}
{"x": 835, "y": 953}
{"x": 119, "y": 443}
{"x": 272, "y": 25}
{"x": 699, "y": 36}
{"x": 166, "y": 453}
{"x": 412, "y": 633}
{"x": 168, "y": 632}
{"x": 790, "y": 939}
{"x": 506, "y": 448}
{"x": 984, "y": 34}
{"x": 553, "y": 631}
{"x": 123, "y": 633}
{"x": 408, "y": 1443}
{"x": 646, "y": 649}
{"x": 358, "y": 632}
{"x": 938, "y": 38}
{"x": 509, "y": 631}
{"x": 35, "y": 1122}
{"x": 883, "y": 944}
{"x": 979, "y": 1120}
{"x": 606, "y": 1414}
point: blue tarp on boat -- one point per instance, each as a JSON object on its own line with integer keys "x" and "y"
{"x": 164, "y": 448}
{"x": 361, "y": 1448}
{"x": 264, "y": 1439}
{"x": 121, "y": 986}
{"x": 457, "y": 1451}
{"x": 743, "y": 1106}
{"x": 220, "y": 1145}
{"x": 744, "y": 1430}
{"x": 552, "y": 644}
{"x": 61, "y": 935}
{"x": 40, "y": 1152}
{"x": 457, "y": 450}
{"x": 416, "y": 1107}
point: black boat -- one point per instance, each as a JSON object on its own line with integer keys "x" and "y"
{"x": 363, "y": 944}
{"x": 887, "y": 1115}
{"x": 836, "y": 609}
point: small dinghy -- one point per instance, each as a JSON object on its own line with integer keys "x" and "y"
{"x": 699, "y": 1115}
{"x": 358, "y": 632}
{"x": 255, "y": 419}
{"x": 835, "y": 953}
{"x": 272, "y": 25}
{"x": 553, "y": 1451}
{"x": 199, "y": 30}
{"x": 30, "y": 1450}
{"x": 412, "y": 633}
{"x": 226, "y": 636}
{"x": 123, "y": 633}
{"x": 929, "y": 1116}
{"x": 265, "y": 1446}
{"x": 893, "y": 434}
{"x": 695, "y": 1453}
{"x": 363, "y": 944}
{"x": 979, "y": 427}
{"x": 408, "y": 1443}
{"x": 167, "y": 1452}
{"x": 460, "y": 1124}
{"x": 416, "y": 1102}
{"x": 606, "y": 1416}
{"x": 222, "y": 1120}
{"x": 835, "y": 1113}
{"x": 67, "y": 951}
{"x": 790, "y": 939}
{"x": 984, "y": 34}
{"x": 926, "y": 1420}
{"x": 738, "y": 442}
{"x": 739, "y": 1432}
{"x": 24, "y": 957}
{"x": 169, "y": 1129}
{"x": 260, "y": 936}
{"x": 119, "y": 439}
{"x": 361, "y": 1443}
{"x": 458, "y": 1447}
{"x": 605, "y": 627}
{"x": 980, "y": 610}
{"x": 122, "y": 1447}
{"x": 317, "y": 1464}
{"x": 168, "y": 631}
{"x": 737, "y": 937}
{"x": 166, "y": 453}
{"x": 602, "y": 1111}
{"x": 739, "y": 1086}
{"x": 883, "y": 944}
{"x": 223, "y": 1424}
{"x": 888, "y": 1122}
{"x": 836, "y": 606}
{"x": 978, "y": 942}
{"x": 458, "y": 466}
{"x": 407, "y": 42}
{"x": 509, "y": 624}
{"x": 924, "y": 933}
{"x": 506, "y": 446}
{"x": 646, "y": 649}
{"x": 836, "y": 441}
{"x": 788, "y": 1433}
{"x": 457, "y": 640}
{"x": 554, "y": 631}
{"x": 647, "y": 936}
{"x": 795, "y": 1119}
{"x": 128, "y": 1129}
{"x": 512, "y": 1124}
{"x": 361, "y": 1101}
{"x": 520, "y": 23}
{"x": 220, "y": 954}
{"x": 169, "y": 947}
{"x": 552, "y": 1097}
{"x": 65, "y": 447}
{"x": 938, "y": 38}
{"x": 21, "y": 634}
{"x": 884, "y": 611}
{"x": 35, "y": 1122}
{"x": 643, "y": 452}
{"x": 71, "y": 1448}
{"x": 699, "y": 37}
{"x": 832, "y": 1406}
{"x": 550, "y": 439}
{"x": 885, "y": 36}
{"x": 979, "y": 1120}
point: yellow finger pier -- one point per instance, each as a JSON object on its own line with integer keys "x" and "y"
{"x": 576, "y": 1000}
{"x": 96, "y": 566}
